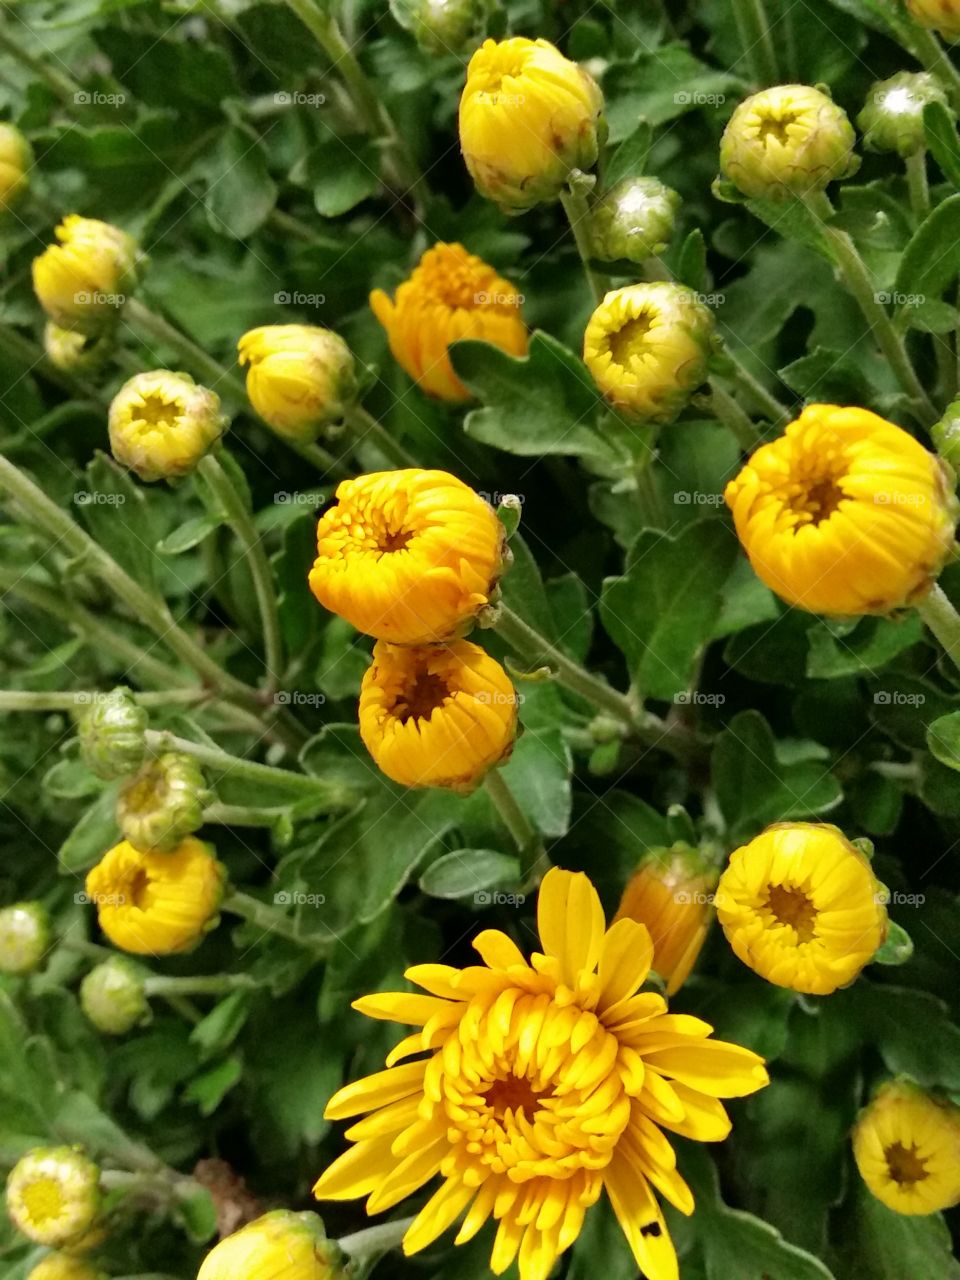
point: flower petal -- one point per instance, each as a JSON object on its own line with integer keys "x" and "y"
{"x": 570, "y": 921}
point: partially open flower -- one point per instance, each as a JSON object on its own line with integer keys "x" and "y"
{"x": 450, "y": 295}
{"x": 907, "y": 1148}
{"x": 801, "y": 906}
{"x": 634, "y": 220}
{"x": 25, "y": 936}
{"x": 279, "y": 1246}
{"x": 407, "y": 556}
{"x": 161, "y": 424}
{"x": 63, "y": 1266}
{"x": 942, "y": 16}
{"x": 82, "y": 282}
{"x": 16, "y": 158}
{"x": 163, "y": 803}
{"x": 113, "y": 996}
{"x": 437, "y": 716}
{"x": 648, "y": 348}
{"x": 845, "y": 514}
{"x": 76, "y": 352}
{"x": 300, "y": 377}
{"x": 892, "y": 117}
{"x": 53, "y": 1195}
{"x": 113, "y": 734}
{"x": 788, "y": 140}
{"x": 157, "y": 903}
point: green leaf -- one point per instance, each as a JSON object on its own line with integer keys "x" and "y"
{"x": 189, "y": 535}
{"x": 828, "y": 376}
{"x": 117, "y": 514}
{"x": 538, "y": 774}
{"x": 197, "y": 1213}
{"x": 240, "y": 191}
{"x": 879, "y": 1244}
{"x": 940, "y": 129}
{"x": 342, "y": 172}
{"x": 218, "y": 1030}
{"x": 692, "y": 261}
{"x": 464, "y": 873}
{"x": 943, "y": 739}
{"x": 932, "y": 258}
{"x": 867, "y": 648}
{"x": 911, "y": 1030}
{"x": 93, "y": 835}
{"x": 897, "y": 948}
{"x": 629, "y": 160}
{"x": 210, "y": 1088}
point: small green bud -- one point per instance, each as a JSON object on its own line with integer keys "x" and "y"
{"x": 25, "y": 936}
{"x": 112, "y": 734}
{"x": 53, "y": 1195}
{"x": 76, "y": 352}
{"x": 946, "y": 435}
{"x": 163, "y": 803}
{"x": 634, "y": 220}
{"x": 442, "y": 26}
{"x": 892, "y": 117}
{"x": 114, "y": 998}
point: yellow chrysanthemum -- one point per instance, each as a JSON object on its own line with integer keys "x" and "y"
{"x": 672, "y": 894}
{"x": 300, "y": 377}
{"x": 157, "y": 903}
{"x": 545, "y": 1084}
{"x": 449, "y": 296}
{"x": 801, "y": 906}
{"x": 937, "y": 15}
{"x": 907, "y": 1148}
{"x": 648, "y": 348}
{"x": 161, "y": 424}
{"x": 82, "y": 281}
{"x": 16, "y": 158}
{"x": 788, "y": 140}
{"x": 528, "y": 117}
{"x": 53, "y": 1195}
{"x": 845, "y": 514}
{"x": 76, "y": 352}
{"x": 407, "y": 556}
{"x": 279, "y": 1246}
{"x": 61, "y": 1266}
{"x": 437, "y": 715}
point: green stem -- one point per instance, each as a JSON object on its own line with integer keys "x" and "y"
{"x": 22, "y": 700}
{"x": 577, "y": 209}
{"x": 367, "y": 429}
{"x": 217, "y": 984}
{"x": 732, "y": 416}
{"x": 270, "y": 920}
{"x": 943, "y": 620}
{"x": 756, "y": 39}
{"x": 240, "y": 815}
{"x": 33, "y": 357}
{"x": 919, "y": 186}
{"x": 366, "y": 1247}
{"x": 767, "y": 404}
{"x": 928, "y": 51}
{"x": 857, "y": 279}
{"x": 534, "y": 859}
{"x": 64, "y": 86}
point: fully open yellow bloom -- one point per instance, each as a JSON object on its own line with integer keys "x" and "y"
{"x": 279, "y": 1246}
{"x": 528, "y": 117}
{"x": 937, "y": 15}
{"x": 61, "y": 1266}
{"x": 672, "y": 894}
{"x": 82, "y": 281}
{"x": 907, "y": 1148}
{"x": 450, "y": 295}
{"x": 300, "y": 377}
{"x": 16, "y": 158}
{"x": 546, "y": 1083}
{"x": 648, "y": 347}
{"x": 161, "y": 424}
{"x": 845, "y": 514}
{"x": 157, "y": 903}
{"x": 407, "y": 556}
{"x": 437, "y": 715}
{"x": 801, "y": 906}
{"x": 53, "y": 1195}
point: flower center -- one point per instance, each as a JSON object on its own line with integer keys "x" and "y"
{"x": 514, "y": 1093}
{"x": 157, "y": 410}
{"x": 629, "y": 339}
{"x": 43, "y": 1200}
{"x": 391, "y": 540}
{"x": 792, "y": 907}
{"x": 904, "y": 1164}
{"x": 140, "y": 885}
{"x": 777, "y": 130}
{"x": 419, "y": 700}
{"x": 818, "y": 500}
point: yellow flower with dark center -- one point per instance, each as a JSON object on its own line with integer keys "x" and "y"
{"x": 450, "y": 295}
{"x": 300, "y": 377}
{"x": 161, "y": 424}
{"x": 788, "y": 140}
{"x": 53, "y": 1195}
{"x": 528, "y": 118}
{"x": 162, "y": 803}
{"x": 16, "y": 158}
{"x": 437, "y": 715}
{"x": 648, "y": 348}
{"x": 907, "y": 1148}
{"x": 545, "y": 1083}
{"x": 937, "y": 15}
{"x": 157, "y": 903}
{"x": 407, "y": 556}
{"x": 82, "y": 281}
{"x": 279, "y": 1246}
{"x": 845, "y": 513}
{"x": 61, "y": 1266}
{"x": 801, "y": 906}
{"x": 672, "y": 894}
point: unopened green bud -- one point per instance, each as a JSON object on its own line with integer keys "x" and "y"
{"x": 76, "y": 352}
{"x": 53, "y": 1195}
{"x": 946, "y": 435}
{"x": 892, "y": 117}
{"x": 291, "y": 1245}
{"x": 634, "y": 220}
{"x": 442, "y": 26}
{"x": 112, "y": 734}
{"x": 163, "y": 803}
{"x": 63, "y": 1266}
{"x": 114, "y": 998}
{"x": 25, "y": 935}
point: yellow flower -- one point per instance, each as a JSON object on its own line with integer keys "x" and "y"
{"x": 672, "y": 894}
{"x": 648, "y": 348}
{"x": 82, "y": 282}
{"x": 76, "y": 352}
{"x": 937, "y": 15}
{"x": 528, "y": 117}
{"x": 450, "y": 295}
{"x": 157, "y": 903}
{"x": 25, "y": 937}
{"x": 407, "y": 556}
{"x": 279, "y": 1246}
{"x": 61, "y": 1266}
{"x": 161, "y": 424}
{"x": 801, "y": 906}
{"x": 545, "y": 1083}
{"x": 788, "y": 140}
{"x": 301, "y": 377}
{"x": 437, "y": 716}
{"x": 845, "y": 514}
{"x": 907, "y": 1148}
{"x": 163, "y": 803}
{"x": 53, "y": 1195}
{"x": 16, "y": 158}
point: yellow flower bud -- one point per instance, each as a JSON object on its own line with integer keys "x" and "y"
{"x": 112, "y": 734}
{"x": 907, "y": 1148}
{"x": 62, "y": 1266}
{"x": 82, "y": 281}
{"x": 788, "y": 140}
{"x": 648, "y": 348}
{"x": 845, "y": 514}
{"x": 942, "y": 16}
{"x": 76, "y": 352}
{"x": 53, "y": 1195}
{"x": 161, "y": 424}
{"x": 408, "y": 556}
{"x": 672, "y": 894}
{"x": 451, "y": 295}
{"x": 301, "y": 377}
{"x": 800, "y": 905}
{"x": 16, "y": 158}
{"x": 113, "y": 996}
{"x": 528, "y": 118}
{"x": 437, "y": 716}
{"x": 163, "y": 803}
{"x": 157, "y": 903}
{"x": 279, "y": 1246}
{"x": 25, "y": 937}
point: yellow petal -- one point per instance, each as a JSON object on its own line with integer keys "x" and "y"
{"x": 714, "y": 1067}
{"x": 376, "y": 1091}
{"x": 641, "y": 1220}
{"x": 570, "y": 921}
{"x": 625, "y": 960}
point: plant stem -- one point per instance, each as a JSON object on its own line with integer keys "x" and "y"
{"x": 576, "y": 208}
{"x": 217, "y": 984}
{"x": 270, "y": 920}
{"x": 928, "y": 51}
{"x": 240, "y": 815}
{"x": 31, "y": 356}
{"x": 943, "y": 620}
{"x": 365, "y": 1247}
{"x": 534, "y": 859}
{"x": 919, "y": 186}
{"x": 766, "y": 402}
{"x": 732, "y": 416}
{"x": 366, "y": 428}
{"x": 64, "y": 86}
{"x": 857, "y": 279}
{"x": 757, "y": 40}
